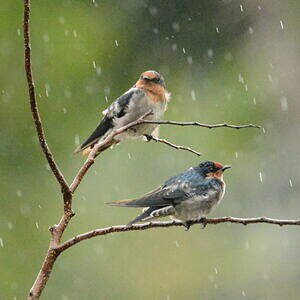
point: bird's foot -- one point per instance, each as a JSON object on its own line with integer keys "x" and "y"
{"x": 203, "y": 222}
{"x": 148, "y": 137}
{"x": 187, "y": 225}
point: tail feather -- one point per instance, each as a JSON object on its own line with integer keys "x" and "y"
{"x": 105, "y": 125}
{"x": 143, "y": 216}
{"x": 152, "y": 213}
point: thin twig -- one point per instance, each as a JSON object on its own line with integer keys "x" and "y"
{"x": 121, "y": 228}
{"x": 209, "y": 126}
{"x": 164, "y": 141}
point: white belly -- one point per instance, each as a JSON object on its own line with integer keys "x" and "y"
{"x": 135, "y": 113}
{"x": 197, "y": 207}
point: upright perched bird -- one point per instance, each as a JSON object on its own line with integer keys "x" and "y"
{"x": 148, "y": 94}
{"x": 188, "y": 196}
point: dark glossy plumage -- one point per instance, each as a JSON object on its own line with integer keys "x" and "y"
{"x": 187, "y": 196}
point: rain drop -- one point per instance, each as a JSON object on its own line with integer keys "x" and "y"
{"x": 175, "y": 26}
{"x": 75, "y": 33}
{"x": 193, "y": 95}
{"x": 217, "y": 29}
{"x": 67, "y": 94}
{"x": 153, "y": 11}
{"x": 183, "y": 50}
{"x": 284, "y": 104}
{"x": 260, "y": 177}
{"x": 116, "y": 43}
{"x": 61, "y": 20}
{"x": 1, "y": 242}
{"x": 290, "y": 182}
{"x": 241, "y": 8}
{"x": 37, "y": 225}
{"x": 190, "y": 60}
{"x": 98, "y": 71}
{"x": 281, "y": 24}
{"x": 241, "y": 78}
{"x": 174, "y": 47}
{"x": 46, "y": 38}
{"x": 270, "y": 77}
{"x": 76, "y": 140}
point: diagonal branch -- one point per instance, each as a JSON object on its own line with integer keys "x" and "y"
{"x": 101, "y": 144}
{"x": 121, "y": 228}
{"x": 166, "y": 142}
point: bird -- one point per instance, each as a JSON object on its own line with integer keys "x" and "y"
{"x": 187, "y": 197}
{"x": 148, "y": 95}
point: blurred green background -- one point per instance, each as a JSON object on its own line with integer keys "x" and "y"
{"x": 223, "y": 61}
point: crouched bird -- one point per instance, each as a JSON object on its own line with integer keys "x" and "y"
{"x": 188, "y": 196}
{"x": 148, "y": 95}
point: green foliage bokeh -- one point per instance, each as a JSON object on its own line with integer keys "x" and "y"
{"x": 223, "y": 61}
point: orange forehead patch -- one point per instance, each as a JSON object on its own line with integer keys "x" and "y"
{"x": 149, "y": 74}
{"x": 218, "y": 165}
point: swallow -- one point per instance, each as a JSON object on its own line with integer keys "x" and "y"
{"x": 188, "y": 196}
{"x": 147, "y": 95}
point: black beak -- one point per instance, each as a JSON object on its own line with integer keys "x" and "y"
{"x": 225, "y": 168}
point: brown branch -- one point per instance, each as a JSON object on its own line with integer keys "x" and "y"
{"x": 57, "y": 230}
{"x": 209, "y": 126}
{"x": 121, "y": 228}
{"x": 166, "y": 142}
{"x": 101, "y": 144}
{"x": 32, "y": 100}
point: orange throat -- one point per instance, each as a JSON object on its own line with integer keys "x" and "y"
{"x": 154, "y": 91}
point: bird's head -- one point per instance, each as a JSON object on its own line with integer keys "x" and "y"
{"x": 212, "y": 169}
{"x": 151, "y": 78}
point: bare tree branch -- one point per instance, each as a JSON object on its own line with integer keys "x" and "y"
{"x": 209, "y": 126}
{"x": 101, "y": 144}
{"x": 34, "y": 109}
{"x": 121, "y": 228}
{"x": 166, "y": 142}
